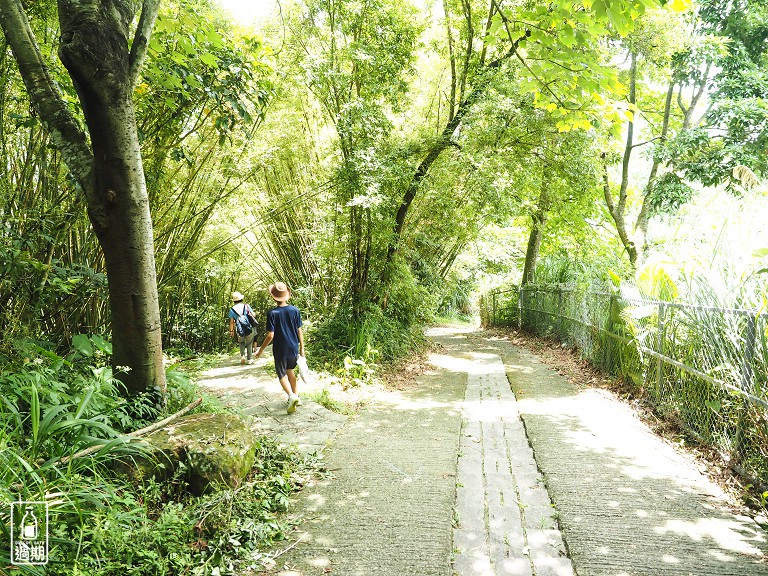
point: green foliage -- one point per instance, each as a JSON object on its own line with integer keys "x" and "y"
{"x": 195, "y": 63}
{"x": 559, "y": 48}
{"x": 373, "y": 53}
{"x": 50, "y": 408}
{"x": 182, "y": 392}
{"x": 324, "y": 398}
{"x": 358, "y": 371}
{"x": 53, "y": 406}
{"x": 668, "y": 193}
{"x": 44, "y": 298}
{"x": 455, "y": 297}
{"x": 734, "y": 133}
{"x": 160, "y": 529}
{"x": 385, "y": 330}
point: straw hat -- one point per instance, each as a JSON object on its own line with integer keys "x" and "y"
{"x": 236, "y": 297}
{"x": 280, "y": 292}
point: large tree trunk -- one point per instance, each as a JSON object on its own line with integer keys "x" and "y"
{"x": 92, "y": 35}
{"x": 95, "y": 50}
{"x": 538, "y": 220}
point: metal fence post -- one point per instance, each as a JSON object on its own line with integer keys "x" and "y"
{"x": 560, "y": 309}
{"x": 609, "y": 341}
{"x": 662, "y": 338}
{"x": 493, "y": 309}
{"x": 746, "y": 384}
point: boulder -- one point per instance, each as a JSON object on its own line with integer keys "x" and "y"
{"x": 210, "y": 448}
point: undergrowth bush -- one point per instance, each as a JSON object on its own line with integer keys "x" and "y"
{"x": 159, "y": 529}
{"x": 385, "y": 329}
{"x": 52, "y": 407}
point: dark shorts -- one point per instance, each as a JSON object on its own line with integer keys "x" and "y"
{"x": 282, "y": 365}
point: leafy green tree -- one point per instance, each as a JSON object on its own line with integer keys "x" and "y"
{"x": 48, "y": 262}
{"x": 663, "y": 48}
{"x": 103, "y": 55}
{"x": 535, "y": 175}
{"x": 203, "y": 95}
{"x": 556, "y": 49}
{"x": 357, "y": 56}
{"x": 733, "y": 140}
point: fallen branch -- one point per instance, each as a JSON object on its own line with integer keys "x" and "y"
{"x": 281, "y": 552}
{"x": 171, "y": 418}
{"x": 137, "y": 434}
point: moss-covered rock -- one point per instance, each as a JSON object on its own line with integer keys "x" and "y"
{"x": 209, "y": 449}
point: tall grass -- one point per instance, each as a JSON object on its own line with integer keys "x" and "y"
{"x": 52, "y": 407}
{"x": 100, "y": 522}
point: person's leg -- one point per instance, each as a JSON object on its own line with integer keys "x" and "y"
{"x": 286, "y": 385}
{"x": 290, "y": 370}
{"x": 282, "y": 375}
{"x": 294, "y": 384}
{"x": 291, "y": 375}
{"x": 284, "y": 368}
{"x": 249, "y": 346}
{"x": 241, "y": 340}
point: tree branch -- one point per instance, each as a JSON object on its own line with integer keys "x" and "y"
{"x": 522, "y": 60}
{"x": 639, "y": 144}
{"x": 137, "y": 433}
{"x": 149, "y": 12}
{"x": 66, "y": 133}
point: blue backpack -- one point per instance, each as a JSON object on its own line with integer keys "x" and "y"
{"x": 243, "y": 322}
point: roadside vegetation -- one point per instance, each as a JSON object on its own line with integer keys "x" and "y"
{"x": 390, "y": 160}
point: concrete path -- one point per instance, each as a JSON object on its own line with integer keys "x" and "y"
{"x": 460, "y": 476}
{"x": 254, "y": 392}
{"x": 386, "y": 505}
{"x": 628, "y": 503}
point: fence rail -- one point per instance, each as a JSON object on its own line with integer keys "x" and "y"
{"x": 702, "y": 367}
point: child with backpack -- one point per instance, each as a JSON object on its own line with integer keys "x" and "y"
{"x": 285, "y": 334}
{"x": 241, "y": 323}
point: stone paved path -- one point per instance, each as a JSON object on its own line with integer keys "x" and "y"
{"x": 507, "y": 525}
{"x": 473, "y": 470}
{"x": 255, "y": 392}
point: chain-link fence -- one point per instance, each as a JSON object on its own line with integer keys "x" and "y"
{"x": 701, "y": 368}
{"x": 500, "y": 308}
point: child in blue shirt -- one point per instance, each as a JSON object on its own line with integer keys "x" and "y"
{"x": 285, "y": 334}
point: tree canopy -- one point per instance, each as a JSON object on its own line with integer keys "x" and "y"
{"x": 362, "y": 151}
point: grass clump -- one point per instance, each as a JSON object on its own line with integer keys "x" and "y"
{"x": 324, "y": 398}
{"x": 100, "y": 523}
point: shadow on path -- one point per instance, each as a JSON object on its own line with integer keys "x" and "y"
{"x": 385, "y": 506}
{"x": 629, "y": 503}
{"x": 256, "y": 394}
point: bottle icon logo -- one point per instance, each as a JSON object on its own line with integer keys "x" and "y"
{"x": 29, "y": 533}
{"x": 29, "y": 525}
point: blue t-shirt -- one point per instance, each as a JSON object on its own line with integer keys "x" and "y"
{"x": 285, "y": 322}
